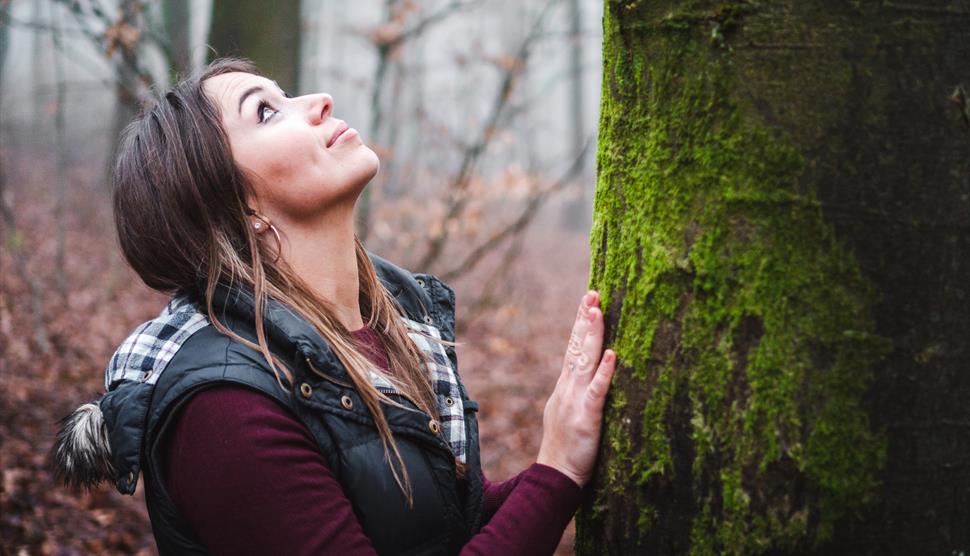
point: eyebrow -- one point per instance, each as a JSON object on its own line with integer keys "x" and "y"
{"x": 245, "y": 95}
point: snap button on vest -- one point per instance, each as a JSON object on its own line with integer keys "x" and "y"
{"x": 433, "y": 425}
{"x": 347, "y": 402}
{"x": 428, "y": 319}
{"x": 420, "y": 282}
{"x": 449, "y": 401}
{"x": 306, "y": 390}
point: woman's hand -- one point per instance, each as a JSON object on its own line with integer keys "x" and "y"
{"x": 573, "y": 416}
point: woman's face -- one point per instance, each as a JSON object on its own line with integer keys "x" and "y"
{"x": 303, "y": 162}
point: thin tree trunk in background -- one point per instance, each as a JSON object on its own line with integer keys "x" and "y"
{"x": 38, "y": 55}
{"x": 178, "y": 15}
{"x": 389, "y": 184}
{"x": 781, "y": 240}
{"x": 126, "y": 100}
{"x": 12, "y": 240}
{"x": 416, "y": 144}
{"x": 388, "y": 39}
{"x": 266, "y": 33}
{"x": 384, "y": 51}
{"x": 60, "y": 146}
{"x": 576, "y": 213}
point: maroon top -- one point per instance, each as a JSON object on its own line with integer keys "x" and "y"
{"x": 250, "y": 479}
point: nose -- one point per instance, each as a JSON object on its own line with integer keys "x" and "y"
{"x": 319, "y": 107}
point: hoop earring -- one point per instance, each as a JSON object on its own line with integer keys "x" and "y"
{"x": 260, "y": 225}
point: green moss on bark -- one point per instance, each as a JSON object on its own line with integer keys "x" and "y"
{"x": 711, "y": 252}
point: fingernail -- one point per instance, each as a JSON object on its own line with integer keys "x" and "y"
{"x": 591, "y": 315}
{"x": 608, "y": 356}
{"x": 586, "y": 299}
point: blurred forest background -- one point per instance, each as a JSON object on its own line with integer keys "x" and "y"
{"x": 483, "y": 113}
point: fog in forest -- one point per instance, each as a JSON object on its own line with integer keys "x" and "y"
{"x": 483, "y": 113}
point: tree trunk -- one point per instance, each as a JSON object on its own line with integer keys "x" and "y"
{"x": 575, "y": 213}
{"x": 177, "y": 15}
{"x": 781, "y": 241}
{"x": 268, "y": 33}
{"x": 126, "y": 79}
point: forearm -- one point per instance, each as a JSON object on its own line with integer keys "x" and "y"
{"x": 533, "y": 516}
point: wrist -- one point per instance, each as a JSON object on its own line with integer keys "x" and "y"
{"x": 562, "y": 469}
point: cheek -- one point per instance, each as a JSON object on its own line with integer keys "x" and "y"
{"x": 275, "y": 165}
{"x": 272, "y": 161}
{"x": 294, "y": 179}
{"x": 279, "y": 168}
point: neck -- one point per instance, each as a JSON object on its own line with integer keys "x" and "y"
{"x": 323, "y": 254}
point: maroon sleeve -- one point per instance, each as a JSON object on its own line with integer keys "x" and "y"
{"x": 533, "y": 516}
{"x": 495, "y": 494}
{"x": 250, "y": 480}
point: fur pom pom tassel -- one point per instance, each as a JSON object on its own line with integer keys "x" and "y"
{"x": 81, "y": 456}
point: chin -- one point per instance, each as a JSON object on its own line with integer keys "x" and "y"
{"x": 366, "y": 170}
{"x": 375, "y": 161}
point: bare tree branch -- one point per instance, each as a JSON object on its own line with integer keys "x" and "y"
{"x": 122, "y": 35}
{"x": 431, "y": 19}
{"x": 457, "y": 200}
{"x": 387, "y": 38}
{"x": 7, "y": 19}
{"x": 517, "y": 226}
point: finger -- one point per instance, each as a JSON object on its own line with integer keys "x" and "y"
{"x": 578, "y": 334}
{"x": 592, "y": 344}
{"x": 590, "y": 299}
{"x": 600, "y": 385}
{"x": 582, "y": 321}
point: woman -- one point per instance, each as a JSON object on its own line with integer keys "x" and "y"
{"x": 299, "y": 395}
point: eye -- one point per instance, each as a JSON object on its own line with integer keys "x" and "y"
{"x": 265, "y": 112}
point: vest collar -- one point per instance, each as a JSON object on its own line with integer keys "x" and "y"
{"x": 423, "y": 297}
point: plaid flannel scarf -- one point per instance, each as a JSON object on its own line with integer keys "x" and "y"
{"x": 451, "y": 410}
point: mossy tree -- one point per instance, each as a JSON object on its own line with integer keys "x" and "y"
{"x": 781, "y": 238}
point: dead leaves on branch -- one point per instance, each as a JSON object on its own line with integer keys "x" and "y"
{"x": 121, "y": 36}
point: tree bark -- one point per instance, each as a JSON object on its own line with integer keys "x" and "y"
{"x": 780, "y": 238}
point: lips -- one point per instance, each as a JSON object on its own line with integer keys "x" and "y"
{"x": 341, "y": 127}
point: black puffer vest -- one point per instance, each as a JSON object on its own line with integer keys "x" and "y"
{"x": 446, "y": 512}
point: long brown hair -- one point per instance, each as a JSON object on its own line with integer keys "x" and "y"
{"x": 181, "y": 216}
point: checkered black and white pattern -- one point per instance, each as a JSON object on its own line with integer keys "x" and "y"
{"x": 144, "y": 354}
{"x": 451, "y": 410}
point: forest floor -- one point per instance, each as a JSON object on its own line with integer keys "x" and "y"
{"x": 509, "y": 358}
